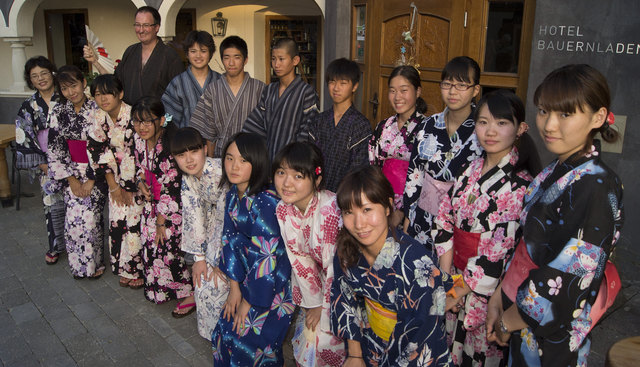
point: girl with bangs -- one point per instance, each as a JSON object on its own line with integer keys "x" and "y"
{"x": 572, "y": 217}
{"x": 444, "y": 143}
{"x": 258, "y": 310}
{"x": 166, "y": 274}
{"x": 202, "y": 221}
{"x": 388, "y": 297}
{"x": 111, "y": 141}
{"x": 85, "y": 194}
{"x": 309, "y": 222}
{"x": 478, "y": 226}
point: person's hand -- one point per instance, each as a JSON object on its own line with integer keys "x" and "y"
{"x": 44, "y": 168}
{"x": 453, "y": 304}
{"x": 75, "y": 186}
{"x": 161, "y": 231}
{"x": 241, "y": 315}
{"x": 498, "y": 337}
{"x": 354, "y": 362}
{"x": 216, "y": 274}
{"x": 144, "y": 190}
{"x": 87, "y": 187}
{"x": 494, "y": 314}
{"x": 312, "y": 317}
{"x": 121, "y": 196}
{"x": 89, "y": 55}
{"x": 199, "y": 268}
{"x": 233, "y": 301}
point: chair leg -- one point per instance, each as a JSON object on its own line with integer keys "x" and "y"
{"x": 18, "y": 194}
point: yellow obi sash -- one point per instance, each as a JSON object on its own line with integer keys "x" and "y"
{"x": 381, "y": 320}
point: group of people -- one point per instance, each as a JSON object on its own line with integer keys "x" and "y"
{"x": 429, "y": 240}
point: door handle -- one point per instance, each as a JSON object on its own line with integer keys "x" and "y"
{"x": 375, "y": 104}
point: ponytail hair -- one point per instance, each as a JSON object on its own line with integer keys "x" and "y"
{"x": 504, "y": 104}
{"x": 370, "y": 181}
{"x": 411, "y": 74}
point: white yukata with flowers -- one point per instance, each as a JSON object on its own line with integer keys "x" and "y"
{"x": 310, "y": 240}
{"x": 203, "y": 218}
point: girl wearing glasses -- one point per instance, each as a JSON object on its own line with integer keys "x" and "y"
{"x": 159, "y": 180}
{"x": 444, "y": 143}
{"x": 32, "y": 129}
{"x": 85, "y": 194}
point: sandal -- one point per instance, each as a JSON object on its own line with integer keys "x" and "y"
{"x": 97, "y": 274}
{"x": 182, "y": 306}
{"x": 136, "y": 283}
{"x": 51, "y": 258}
{"x": 124, "y": 282}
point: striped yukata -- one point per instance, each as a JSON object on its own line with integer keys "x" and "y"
{"x": 219, "y": 114}
{"x": 183, "y": 93}
{"x": 283, "y": 119}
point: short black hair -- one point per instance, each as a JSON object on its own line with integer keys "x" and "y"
{"x": 235, "y": 42}
{"x": 186, "y": 139}
{"x": 151, "y": 10}
{"x": 106, "y": 84}
{"x": 287, "y": 44}
{"x": 68, "y": 74}
{"x": 343, "y": 69}
{"x": 253, "y": 149}
{"x": 304, "y": 157}
{"x": 462, "y": 68}
{"x": 40, "y": 61}
{"x": 202, "y": 38}
{"x": 146, "y": 108}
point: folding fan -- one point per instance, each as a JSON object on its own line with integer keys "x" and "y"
{"x": 98, "y": 49}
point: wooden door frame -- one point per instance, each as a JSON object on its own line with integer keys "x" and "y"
{"x": 46, "y": 12}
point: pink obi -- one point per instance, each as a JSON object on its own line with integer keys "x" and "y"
{"x": 518, "y": 271}
{"x": 154, "y": 185}
{"x": 395, "y": 170}
{"x": 43, "y": 138}
{"x": 433, "y": 191}
{"x": 465, "y": 245}
{"x": 78, "y": 150}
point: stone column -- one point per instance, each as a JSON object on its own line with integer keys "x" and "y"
{"x": 18, "y": 59}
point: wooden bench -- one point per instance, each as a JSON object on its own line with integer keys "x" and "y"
{"x": 624, "y": 353}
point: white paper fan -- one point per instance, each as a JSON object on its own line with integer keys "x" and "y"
{"x": 99, "y": 50}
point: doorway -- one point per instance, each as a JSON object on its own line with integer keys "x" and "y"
{"x": 66, "y": 36}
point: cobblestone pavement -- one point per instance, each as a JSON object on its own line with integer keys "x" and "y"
{"x": 48, "y": 318}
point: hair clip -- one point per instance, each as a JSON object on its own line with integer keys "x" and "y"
{"x": 318, "y": 171}
{"x": 611, "y": 119}
{"x": 167, "y": 118}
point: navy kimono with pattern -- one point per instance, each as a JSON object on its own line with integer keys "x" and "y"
{"x": 254, "y": 255}
{"x": 572, "y": 219}
{"x": 403, "y": 279}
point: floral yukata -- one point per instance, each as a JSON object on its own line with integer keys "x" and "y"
{"x": 32, "y": 129}
{"x": 111, "y": 150}
{"x": 402, "y": 280}
{"x": 83, "y": 228}
{"x": 311, "y": 245}
{"x": 254, "y": 255}
{"x": 488, "y": 205}
{"x": 166, "y": 274}
{"x": 440, "y": 157}
{"x": 203, "y": 218}
{"x": 390, "y": 148}
{"x": 579, "y": 202}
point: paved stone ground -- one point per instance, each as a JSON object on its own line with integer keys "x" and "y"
{"x": 48, "y": 318}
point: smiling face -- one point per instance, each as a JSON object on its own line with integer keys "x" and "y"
{"x": 41, "y": 79}
{"x": 192, "y": 162}
{"x": 237, "y": 169}
{"x": 368, "y": 224}
{"x": 282, "y": 63}
{"x": 74, "y": 92}
{"x": 147, "y": 127}
{"x": 293, "y": 187}
{"x": 233, "y": 61}
{"x": 457, "y": 100}
{"x": 108, "y": 102}
{"x": 567, "y": 133}
{"x": 403, "y": 96}
{"x": 146, "y": 29}
{"x": 199, "y": 56}
{"x": 496, "y": 135}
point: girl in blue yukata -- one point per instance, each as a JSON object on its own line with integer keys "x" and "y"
{"x": 571, "y": 219}
{"x": 258, "y": 310}
{"x": 388, "y": 297}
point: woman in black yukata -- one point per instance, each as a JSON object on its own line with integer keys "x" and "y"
{"x": 572, "y": 217}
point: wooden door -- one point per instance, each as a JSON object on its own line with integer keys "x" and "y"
{"x": 438, "y": 33}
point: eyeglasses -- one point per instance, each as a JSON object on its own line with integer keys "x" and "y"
{"x": 42, "y": 75}
{"x": 144, "y": 25}
{"x": 458, "y": 86}
{"x": 145, "y": 123}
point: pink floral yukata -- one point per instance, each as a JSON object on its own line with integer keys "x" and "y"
{"x": 311, "y": 245}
